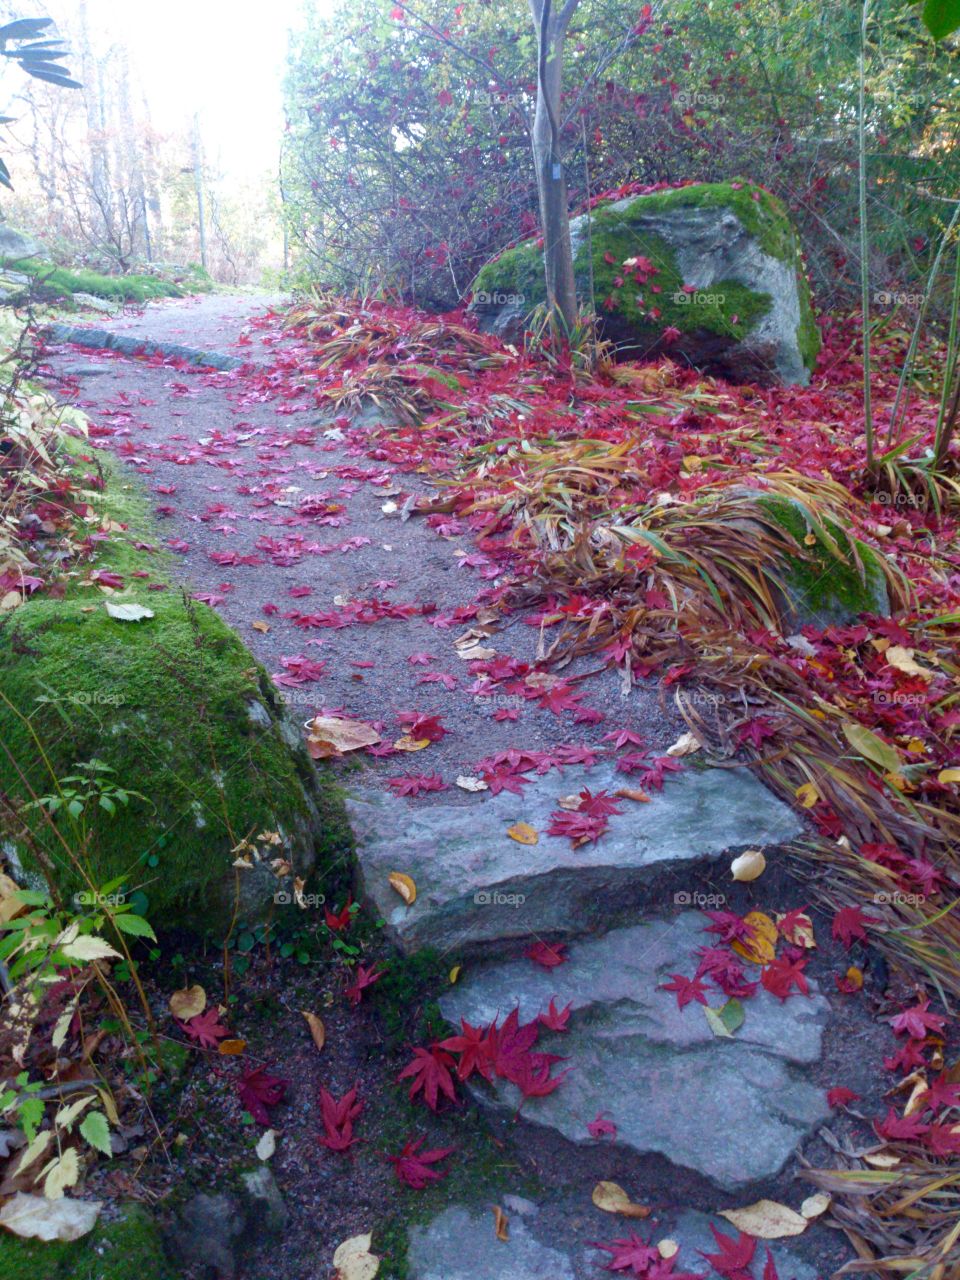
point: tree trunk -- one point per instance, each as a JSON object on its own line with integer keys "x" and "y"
{"x": 198, "y": 184}
{"x": 551, "y": 31}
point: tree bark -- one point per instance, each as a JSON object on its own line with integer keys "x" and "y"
{"x": 551, "y": 28}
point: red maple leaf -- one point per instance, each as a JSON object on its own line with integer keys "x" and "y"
{"x": 339, "y": 920}
{"x": 259, "y": 1090}
{"x": 414, "y": 784}
{"x": 632, "y": 1254}
{"x": 942, "y": 1140}
{"x": 555, "y": 1019}
{"x": 206, "y": 1028}
{"x": 338, "y": 1118}
{"x": 916, "y": 1021}
{"x": 755, "y": 731}
{"x": 547, "y": 955}
{"x": 601, "y": 1128}
{"x": 514, "y": 1042}
{"x": 477, "y": 1047}
{"x": 780, "y": 976}
{"x": 364, "y": 976}
{"x": 770, "y": 1271}
{"x": 735, "y": 1255}
{"x": 687, "y": 989}
{"x": 904, "y": 1128}
{"x": 419, "y": 726}
{"x": 531, "y": 1074}
{"x": 413, "y": 1166}
{"x": 729, "y": 926}
{"x": 941, "y": 1093}
{"x": 848, "y": 926}
{"x": 429, "y": 1073}
{"x": 840, "y": 1096}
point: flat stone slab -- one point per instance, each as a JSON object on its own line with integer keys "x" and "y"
{"x": 692, "y": 1233}
{"x": 733, "y": 1111}
{"x": 476, "y": 886}
{"x": 460, "y": 1245}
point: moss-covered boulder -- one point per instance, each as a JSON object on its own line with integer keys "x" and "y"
{"x": 180, "y": 713}
{"x": 128, "y": 1247}
{"x": 708, "y": 273}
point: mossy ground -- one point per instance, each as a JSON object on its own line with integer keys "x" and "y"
{"x": 129, "y": 1248}
{"x": 731, "y": 309}
{"x": 165, "y": 703}
{"x": 65, "y": 281}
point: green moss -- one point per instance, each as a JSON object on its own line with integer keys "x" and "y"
{"x": 166, "y": 703}
{"x": 129, "y": 1248}
{"x": 826, "y": 587}
{"x": 66, "y": 281}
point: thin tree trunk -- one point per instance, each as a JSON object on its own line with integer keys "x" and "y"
{"x": 551, "y": 31}
{"x": 198, "y": 184}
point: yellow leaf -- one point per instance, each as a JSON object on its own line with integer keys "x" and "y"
{"x": 855, "y": 977}
{"x": 232, "y": 1048}
{"x": 61, "y": 1174}
{"x": 406, "y": 743}
{"x": 871, "y": 747}
{"x": 317, "y": 1029}
{"x": 902, "y": 659}
{"x": 501, "y": 1224}
{"x": 523, "y": 833}
{"x": 667, "y": 1248}
{"x": 816, "y": 1204}
{"x": 948, "y": 775}
{"x": 807, "y": 794}
{"x": 685, "y": 745}
{"x": 762, "y": 946}
{"x": 766, "y": 1220}
{"x": 749, "y": 866}
{"x": 403, "y": 885}
{"x": 611, "y": 1198}
{"x": 188, "y": 1002}
{"x": 353, "y": 1259}
{"x": 454, "y": 973}
{"x": 262, "y": 627}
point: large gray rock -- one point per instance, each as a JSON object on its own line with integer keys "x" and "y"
{"x": 460, "y": 1245}
{"x": 476, "y": 886}
{"x": 15, "y": 245}
{"x": 720, "y": 283}
{"x": 732, "y": 1111}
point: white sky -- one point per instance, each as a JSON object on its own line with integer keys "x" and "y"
{"x": 223, "y": 58}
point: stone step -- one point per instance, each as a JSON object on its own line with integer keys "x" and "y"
{"x": 459, "y": 1244}
{"x": 730, "y": 1110}
{"x": 476, "y": 887}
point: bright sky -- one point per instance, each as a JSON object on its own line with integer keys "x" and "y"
{"x": 223, "y": 58}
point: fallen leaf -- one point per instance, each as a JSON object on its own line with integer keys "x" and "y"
{"x": 816, "y": 1204}
{"x": 267, "y": 1144}
{"x": 871, "y": 747}
{"x": 454, "y": 973}
{"x": 406, "y": 743}
{"x": 317, "y": 1029}
{"x": 331, "y": 736}
{"x": 466, "y": 783}
{"x": 404, "y": 885}
{"x": 749, "y": 866}
{"x": 725, "y": 1020}
{"x": 685, "y": 745}
{"x": 611, "y": 1198}
{"x": 948, "y": 775}
{"x": 761, "y": 946}
{"x": 262, "y": 627}
{"x": 633, "y": 793}
{"x": 572, "y": 803}
{"x": 353, "y": 1259}
{"x": 501, "y": 1224}
{"x": 188, "y": 1002}
{"x": 766, "y": 1220}
{"x": 902, "y": 659}
{"x": 668, "y": 1248}
{"x": 523, "y": 833}
{"x": 36, "y": 1218}
{"x": 232, "y": 1048}
{"x": 807, "y": 794}
{"x": 798, "y": 929}
{"x": 882, "y": 1160}
{"x": 128, "y": 612}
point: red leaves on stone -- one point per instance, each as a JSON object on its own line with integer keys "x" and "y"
{"x": 415, "y": 784}
{"x": 687, "y": 989}
{"x": 735, "y": 1255}
{"x": 601, "y": 1128}
{"x": 900, "y": 1128}
{"x": 780, "y": 976}
{"x": 419, "y": 726}
{"x": 547, "y": 955}
{"x": 338, "y": 1118}
{"x": 477, "y": 1047}
{"x": 430, "y": 1075}
{"x": 259, "y": 1090}
{"x": 730, "y": 927}
{"x": 206, "y": 1028}
{"x": 412, "y": 1165}
{"x": 555, "y": 1019}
